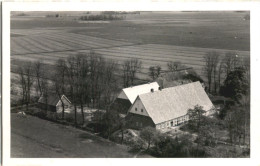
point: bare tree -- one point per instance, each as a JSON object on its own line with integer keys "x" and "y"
{"x": 135, "y": 66}
{"x": 208, "y": 68}
{"x": 45, "y": 92}
{"x": 174, "y": 66}
{"x": 71, "y": 74}
{"x": 231, "y": 61}
{"x": 109, "y": 82}
{"x": 154, "y": 71}
{"x": 38, "y": 69}
{"x": 220, "y": 71}
{"x": 126, "y": 74}
{"x": 27, "y": 81}
{"x": 96, "y": 63}
{"x": 59, "y": 81}
{"x": 246, "y": 66}
{"x": 215, "y": 63}
{"x": 82, "y": 81}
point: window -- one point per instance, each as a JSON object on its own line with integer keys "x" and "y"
{"x": 158, "y": 126}
{"x": 136, "y": 124}
{"x": 171, "y": 123}
{"x": 135, "y": 109}
{"x": 142, "y": 110}
{"x": 141, "y": 125}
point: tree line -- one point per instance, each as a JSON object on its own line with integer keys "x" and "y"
{"x": 216, "y": 67}
{"x": 87, "y": 79}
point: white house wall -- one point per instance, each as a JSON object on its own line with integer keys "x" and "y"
{"x": 173, "y": 122}
{"x": 138, "y": 108}
{"x": 66, "y": 105}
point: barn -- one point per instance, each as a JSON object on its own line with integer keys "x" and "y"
{"x": 127, "y": 96}
{"x": 53, "y": 103}
{"x": 167, "y": 108}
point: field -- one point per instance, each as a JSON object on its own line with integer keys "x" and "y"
{"x": 154, "y": 38}
{"x": 65, "y": 141}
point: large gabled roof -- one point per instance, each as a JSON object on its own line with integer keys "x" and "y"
{"x": 174, "y": 102}
{"x": 52, "y": 99}
{"x": 132, "y": 92}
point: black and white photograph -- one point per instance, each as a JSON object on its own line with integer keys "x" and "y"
{"x": 130, "y": 84}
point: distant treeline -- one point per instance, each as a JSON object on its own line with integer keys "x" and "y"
{"x": 102, "y": 17}
{"x": 120, "y": 12}
{"x": 53, "y": 15}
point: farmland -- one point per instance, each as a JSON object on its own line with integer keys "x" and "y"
{"x": 153, "y": 38}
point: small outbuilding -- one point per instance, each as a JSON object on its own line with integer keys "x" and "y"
{"x": 53, "y": 103}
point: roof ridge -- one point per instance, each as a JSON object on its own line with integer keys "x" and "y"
{"x": 165, "y": 89}
{"x": 140, "y": 85}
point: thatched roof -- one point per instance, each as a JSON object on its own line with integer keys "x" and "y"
{"x": 174, "y": 102}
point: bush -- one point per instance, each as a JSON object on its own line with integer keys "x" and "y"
{"x": 40, "y": 114}
{"x": 137, "y": 145}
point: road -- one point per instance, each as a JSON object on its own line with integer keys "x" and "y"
{"x": 32, "y": 137}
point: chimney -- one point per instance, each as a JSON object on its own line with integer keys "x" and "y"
{"x": 152, "y": 90}
{"x": 159, "y": 88}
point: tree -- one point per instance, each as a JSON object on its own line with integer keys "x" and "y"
{"x": 96, "y": 67}
{"x": 45, "y": 92}
{"x": 130, "y": 68}
{"x": 111, "y": 122}
{"x": 109, "y": 83}
{"x": 233, "y": 120}
{"x": 211, "y": 62}
{"x": 220, "y": 71}
{"x": 235, "y": 84}
{"x": 174, "y": 66}
{"x": 81, "y": 82}
{"x": 23, "y": 84}
{"x": 245, "y": 107}
{"x": 59, "y": 81}
{"x": 26, "y": 81}
{"x": 230, "y": 62}
{"x": 71, "y": 72}
{"x": 148, "y": 134}
{"x": 154, "y": 72}
{"x": 126, "y": 74}
{"x": 215, "y": 64}
{"x": 196, "y": 116}
{"x": 192, "y": 76}
{"x": 38, "y": 68}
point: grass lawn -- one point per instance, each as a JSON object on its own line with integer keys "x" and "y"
{"x": 34, "y": 137}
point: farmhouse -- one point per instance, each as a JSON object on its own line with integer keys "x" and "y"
{"x": 53, "y": 103}
{"x": 168, "y": 107}
{"x": 127, "y": 96}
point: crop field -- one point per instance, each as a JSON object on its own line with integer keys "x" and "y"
{"x": 153, "y": 38}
